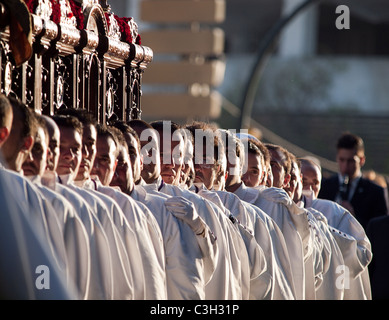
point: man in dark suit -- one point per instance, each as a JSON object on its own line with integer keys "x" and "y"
{"x": 378, "y": 232}
{"x": 362, "y": 197}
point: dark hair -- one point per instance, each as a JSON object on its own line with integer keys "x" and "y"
{"x": 294, "y": 159}
{"x": 68, "y": 122}
{"x": 159, "y": 125}
{"x": 218, "y": 146}
{"x": 138, "y": 123}
{"x": 286, "y": 163}
{"x": 125, "y": 128}
{"x": 83, "y": 115}
{"x": 104, "y": 130}
{"x": 257, "y": 147}
{"x": 350, "y": 141}
{"x": 118, "y": 134}
{"x": 5, "y": 109}
{"x": 41, "y": 122}
{"x": 227, "y": 138}
{"x": 25, "y": 115}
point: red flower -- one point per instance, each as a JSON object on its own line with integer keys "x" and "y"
{"x": 77, "y": 12}
{"x": 31, "y": 5}
{"x": 56, "y": 11}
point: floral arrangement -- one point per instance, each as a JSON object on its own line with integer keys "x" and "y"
{"x": 76, "y": 11}
{"x": 125, "y": 29}
{"x": 56, "y": 10}
{"x": 31, "y": 5}
{"x": 56, "y": 14}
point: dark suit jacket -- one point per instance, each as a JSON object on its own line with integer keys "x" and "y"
{"x": 378, "y": 232}
{"x": 368, "y": 200}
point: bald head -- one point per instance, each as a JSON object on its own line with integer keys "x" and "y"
{"x": 311, "y": 173}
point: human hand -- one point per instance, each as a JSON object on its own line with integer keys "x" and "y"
{"x": 276, "y": 195}
{"x": 184, "y": 210}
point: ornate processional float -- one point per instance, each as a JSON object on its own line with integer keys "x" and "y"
{"x": 58, "y": 54}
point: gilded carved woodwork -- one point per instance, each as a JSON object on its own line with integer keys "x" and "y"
{"x": 84, "y": 56}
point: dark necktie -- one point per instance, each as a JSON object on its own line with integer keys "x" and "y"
{"x": 345, "y": 189}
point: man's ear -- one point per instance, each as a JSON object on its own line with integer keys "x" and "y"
{"x": 141, "y": 161}
{"x": 362, "y": 161}
{"x": 287, "y": 180}
{"x": 28, "y": 143}
{"x": 4, "y": 134}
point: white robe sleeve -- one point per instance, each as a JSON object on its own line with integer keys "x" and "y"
{"x": 207, "y": 241}
{"x": 261, "y": 279}
{"x": 342, "y": 220}
{"x": 149, "y": 239}
{"x": 272, "y": 241}
{"x": 124, "y": 284}
{"x": 26, "y": 262}
{"x": 121, "y": 285}
{"x": 186, "y": 264}
{"x": 75, "y": 239}
{"x": 354, "y": 244}
{"x": 223, "y": 284}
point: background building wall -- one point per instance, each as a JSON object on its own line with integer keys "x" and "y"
{"x": 315, "y": 71}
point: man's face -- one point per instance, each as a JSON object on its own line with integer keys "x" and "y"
{"x": 36, "y": 163}
{"x": 70, "y": 152}
{"x": 269, "y": 176}
{"x": 134, "y": 156}
{"x": 150, "y": 154}
{"x": 233, "y": 168}
{"x": 89, "y": 137}
{"x": 311, "y": 179}
{"x": 105, "y": 162}
{"x": 13, "y": 145}
{"x": 205, "y": 170}
{"x": 54, "y": 152}
{"x": 349, "y": 162}
{"x": 7, "y": 121}
{"x": 172, "y": 160}
{"x": 254, "y": 173}
{"x": 188, "y": 171}
{"x": 295, "y": 183}
{"x": 278, "y": 171}
{"x": 123, "y": 173}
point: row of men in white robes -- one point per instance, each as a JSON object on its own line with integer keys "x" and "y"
{"x": 112, "y": 225}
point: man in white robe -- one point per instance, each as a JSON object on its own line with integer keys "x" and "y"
{"x": 28, "y": 270}
{"x": 123, "y": 238}
{"x": 191, "y": 248}
{"x": 126, "y": 216}
{"x": 28, "y": 265}
{"x": 357, "y": 254}
{"x": 294, "y": 224}
{"x": 116, "y": 279}
{"x": 330, "y": 289}
{"x": 15, "y": 150}
{"x": 148, "y": 233}
{"x": 259, "y": 281}
{"x": 266, "y": 231}
{"x": 100, "y": 277}
{"x": 75, "y": 236}
{"x": 223, "y": 284}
